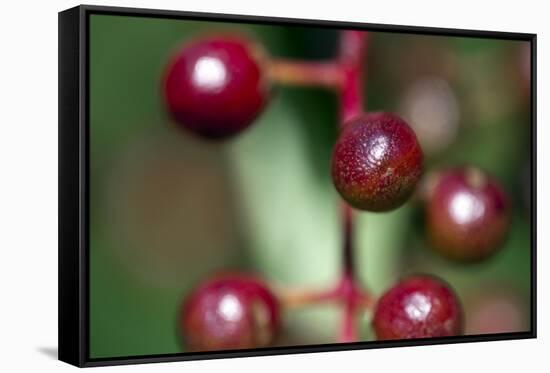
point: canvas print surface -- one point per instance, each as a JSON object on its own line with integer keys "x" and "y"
{"x": 264, "y": 185}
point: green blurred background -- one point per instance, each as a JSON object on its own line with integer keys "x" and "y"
{"x": 168, "y": 209}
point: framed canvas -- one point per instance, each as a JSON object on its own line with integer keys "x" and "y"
{"x": 235, "y": 186}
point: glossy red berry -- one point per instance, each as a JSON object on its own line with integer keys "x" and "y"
{"x": 467, "y": 214}
{"x": 216, "y": 87}
{"x": 376, "y": 162}
{"x": 229, "y": 312}
{"x": 418, "y": 307}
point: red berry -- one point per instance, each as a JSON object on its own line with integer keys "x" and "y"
{"x": 418, "y": 307}
{"x": 215, "y": 87}
{"x": 376, "y": 162}
{"x": 467, "y": 215}
{"x": 229, "y": 312}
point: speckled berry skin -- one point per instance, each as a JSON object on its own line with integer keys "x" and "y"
{"x": 376, "y": 162}
{"x": 229, "y": 312}
{"x": 467, "y": 215}
{"x": 418, "y": 307}
{"x": 215, "y": 87}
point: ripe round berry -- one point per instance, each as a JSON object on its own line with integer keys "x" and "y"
{"x": 467, "y": 215}
{"x": 376, "y": 162}
{"x": 215, "y": 87}
{"x": 418, "y": 307}
{"x": 229, "y": 312}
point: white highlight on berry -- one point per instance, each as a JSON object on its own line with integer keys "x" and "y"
{"x": 230, "y": 308}
{"x": 209, "y": 73}
{"x": 466, "y": 207}
{"x": 378, "y": 150}
{"x": 418, "y": 307}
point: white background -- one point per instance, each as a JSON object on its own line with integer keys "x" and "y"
{"x": 28, "y": 184}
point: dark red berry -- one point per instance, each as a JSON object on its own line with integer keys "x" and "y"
{"x": 467, "y": 214}
{"x": 215, "y": 86}
{"x": 418, "y": 307}
{"x": 376, "y": 162}
{"x": 229, "y": 312}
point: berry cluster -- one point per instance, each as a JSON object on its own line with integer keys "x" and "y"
{"x": 216, "y": 87}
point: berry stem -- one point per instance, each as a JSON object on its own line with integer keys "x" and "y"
{"x": 294, "y": 298}
{"x": 346, "y": 288}
{"x": 325, "y": 74}
{"x": 345, "y": 76}
{"x": 353, "y": 46}
{"x": 347, "y": 328}
{"x": 352, "y": 56}
{"x": 347, "y": 253}
{"x": 342, "y": 74}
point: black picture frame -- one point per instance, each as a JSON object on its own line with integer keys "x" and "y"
{"x": 74, "y": 179}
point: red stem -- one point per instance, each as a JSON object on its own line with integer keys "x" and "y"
{"x": 347, "y": 248}
{"x": 345, "y": 74}
{"x": 348, "y": 331}
{"x": 327, "y": 74}
{"x": 353, "y": 46}
{"x": 352, "y": 57}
